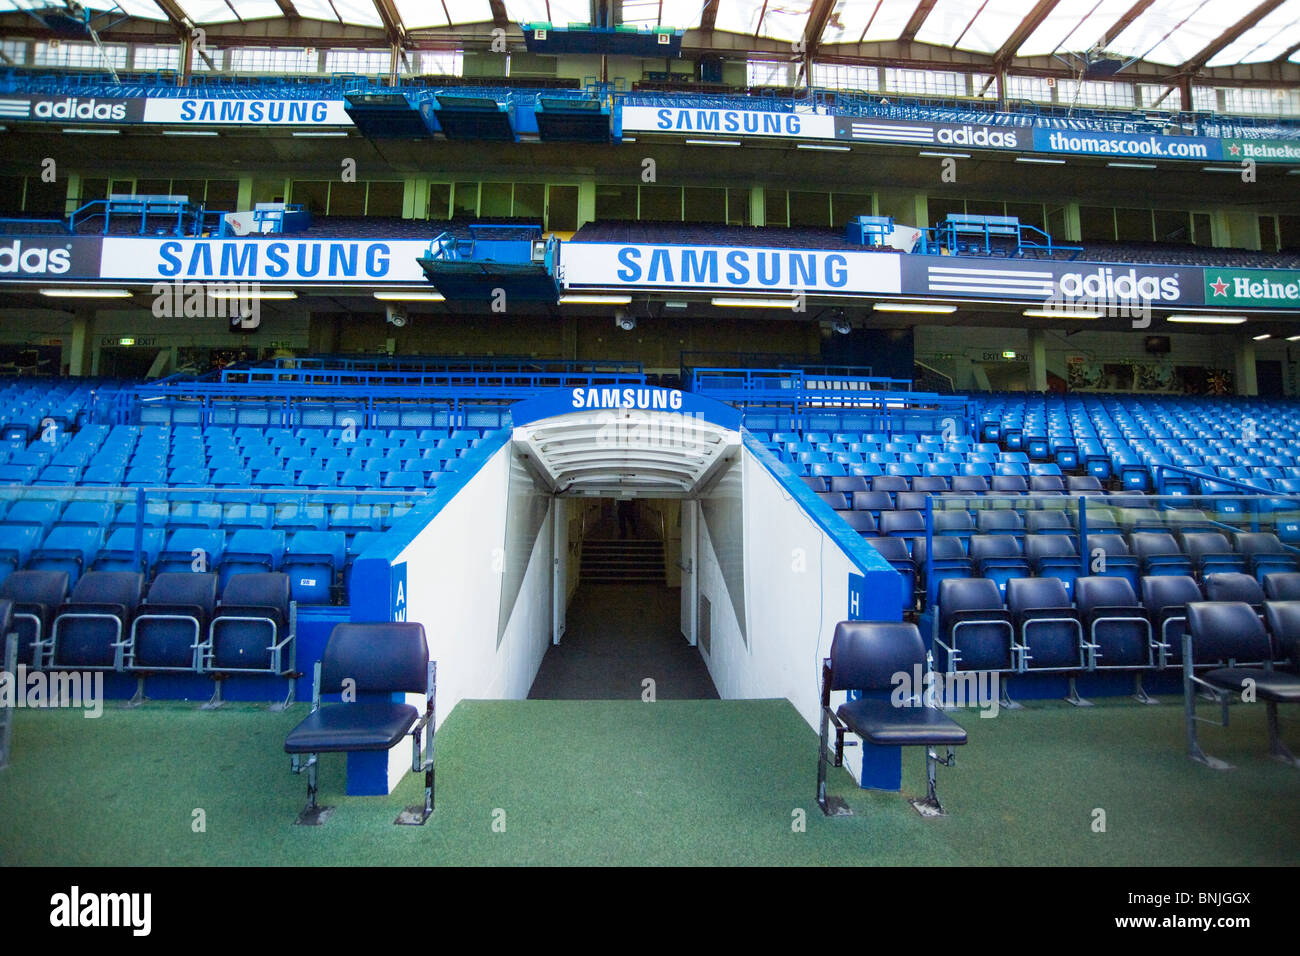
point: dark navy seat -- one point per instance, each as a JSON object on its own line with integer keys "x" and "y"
{"x": 1054, "y": 556}
{"x": 90, "y": 629}
{"x": 1230, "y": 633}
{"x": 860, "y": 521}
{"x": 894, "y": 550}
{"x": 1279, "y": 586}
{"x": 1283, "y": 619}
{"x": 1158, "y": 553}
{"x": 976, "y": 631}
{"x": 999, "y": 557}
{"x": 865, "y": 657}
{"x": 1265, "y": 553}
{"x": 252, "y": 632}
{"x": 1211, "y": 553}
{"x": 1117, "y": 627}
{"x": 1166, "y": 596}
{"x": 36, "y": 597}
{"x": 1235, "y": 586}
{"x": 1048, "y": 627}
{"x": 369, "y": 660}
{"x": 170, "y": 626}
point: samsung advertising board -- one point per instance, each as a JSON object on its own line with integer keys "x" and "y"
{"x": 333, "y": 261}
{"x": 691, "y": 121}
{"x": 239, "y": 112}
{"x": 725, "y": 268}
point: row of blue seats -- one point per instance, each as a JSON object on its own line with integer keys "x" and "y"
{"x": 1037, "y": 627}
{"x": 116, "y": 621}
{"x": 319, "y": 563}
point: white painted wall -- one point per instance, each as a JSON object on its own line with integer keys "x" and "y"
{"x": 454, "y": 586}
{"x": 796, "y": 591}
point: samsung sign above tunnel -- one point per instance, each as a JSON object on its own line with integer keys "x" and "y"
{"x": 611, "y": 401}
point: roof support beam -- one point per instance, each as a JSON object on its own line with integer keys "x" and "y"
{"x": 1123, "y": 22}
{"x": 918, "y": 18}
{"x": 392, "y": 20}
{"x": 1022, "y": 33}
{"x": 1196, "y": 63}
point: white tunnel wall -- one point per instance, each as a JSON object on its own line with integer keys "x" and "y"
{"x": 796, "y": 591}
{"x": 455, "y": 569}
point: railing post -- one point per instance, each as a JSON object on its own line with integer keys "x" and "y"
{"x": 1085, "y": 553}
{"x": 137, "y": 545}
{"x": 929, "y": 552}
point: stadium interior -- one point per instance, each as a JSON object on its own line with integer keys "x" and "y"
{"x": 695, "y": 416}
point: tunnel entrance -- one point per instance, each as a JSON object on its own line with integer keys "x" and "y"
{"x": 622, "y": 636}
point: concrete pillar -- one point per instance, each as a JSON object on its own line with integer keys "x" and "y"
{"x": 1037, "y": 361}
{"x": 81, "y": 346}
{"x": 1244, "y": 371}
{"x": 415, "y": 198}
{"x": 245, "y": 198}
{"x": 757, "y": 206}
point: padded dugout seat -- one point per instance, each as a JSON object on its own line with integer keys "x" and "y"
{"x": 1231, "y": 633}
{"x": 169, "y": 627}
{"x": 251, "y": 632}
{"x": 88, "y": 632}
{"x": 36, "y": 597}
{"x": 377, "y": 659}
{"x": 864, "y": 657}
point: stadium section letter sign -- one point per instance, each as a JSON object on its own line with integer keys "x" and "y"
{"x": 348, "y": 261}
{"x": 1260, "y": 288}
{"x": 233, "y": 112}
{"x": 726, "y": 268}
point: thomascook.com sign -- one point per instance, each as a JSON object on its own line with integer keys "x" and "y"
{"x": 1261, "y": 288}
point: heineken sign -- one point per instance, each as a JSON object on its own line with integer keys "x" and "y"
{"x": 1263, "y": 150}
{"x": 1260, "y": 288}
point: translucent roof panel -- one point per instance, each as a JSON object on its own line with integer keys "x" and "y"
{"x": 775, "y": 19}
{"x": 867, "y": 21}
{"x": 1173, "y": 32}
{"x": 423, "y": 14}
{"x": 356, "y": 12}
{"x": 682, "y": 14}
{"x": 558, "y": 12}
{"x": 145, "y": 9}
{"x": 1074, "y": 26}
{"x": 1266, "y": 40}
{"x": 974, "y": 25}
{"x": 229, "y": 11}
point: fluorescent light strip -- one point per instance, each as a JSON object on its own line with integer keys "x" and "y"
{"x": 1132, "y": 165}
{"x": 93, "y": 132}
{"x": 724, "y": 302}
{"x": 1293, "y": 338}
{"x": 595, "y": 299}
{"x": 399, "y": 296}
{"x": 1043, "y": 162}
{"x": 1261, "y": 338}
{"x": 713, "y": 142}
{"x": 1061, "y": 314}
{"x": 1221, "y": 169}
{"x": 251, "y": 294}
{"x": 936, "y": 154}
{"x": 913, "y": 307}
{"x": 321, "y": 135}
{"x": 189, "y": 132}
{"x": 87, "y": 293}
{"x": 1207, "y": 319}
{"x": 829, "y": 149}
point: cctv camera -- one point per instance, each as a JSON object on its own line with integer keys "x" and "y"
{"x": 624, "y": 321}
{"x": 396, "y": 316}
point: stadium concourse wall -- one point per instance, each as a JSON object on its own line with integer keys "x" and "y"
{"x": 780, "y": 570}
{"x": 473, "y": 564}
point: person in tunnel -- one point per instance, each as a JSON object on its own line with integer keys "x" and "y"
{"x": 626, "y": 509}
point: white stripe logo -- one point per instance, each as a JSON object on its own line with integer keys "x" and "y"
{"x": 905, "y": 134}
{"x": 990, "y": 281}
{"x": 15, "y": 108}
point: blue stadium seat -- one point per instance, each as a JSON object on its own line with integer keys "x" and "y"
{"x": 191, "y": 549}
{"x": 380, "y": 661}
{"x": 89, "y": 630}
{"x": 866, "y": 657}
{"x": 1048, "y": 627}
{"x": 170, "y": 626}
{"x": 252, "y": 632}
{"x": 1282, "y": 586}
{"x": 71, "y": 549}
{"x": 1117, "y": 627}
{"x": 976, "y": 632}
{"x": 251, "y": 551}
{"x": 1165, "y": 597}
{"x": 313, "y": 560}
{"x": 998, "y": 557}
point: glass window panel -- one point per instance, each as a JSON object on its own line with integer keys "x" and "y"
{"x": 1096, "y": 222}
{"x": 705, "y": 205}
{"x": 495, "y": 199}
{"x": 439, "y": 200}
{"x": 615, "y": 202}
{"x": 312, "y": 194}
{"x": 562, "y": 208}
{"x": 846, "y": 206}
{"x": 1029, "y": 213}
{"x": 385, "y": 199}
{"x": 775, "y": 211}
{"x": 1174, "y": 31}
{"x": 1173, "y": 225}
{"x": 222, "y": 194}
{"x": 1073, "y": 25}
{"x": 738, "y": 207}
{"x": 661, "y": 203}
{"x": 810, "y": 209}
{"x": 530, "y": 200}
{"x": 973, "y": 24}
{"x": 1133, "y": 225}
{"x": 11, "y": 195}
{"x": 466, "y": 199}
{"x": 153, "y": 187}
{"x": 347, "y": 199}
{"x": 1288, "y": 231}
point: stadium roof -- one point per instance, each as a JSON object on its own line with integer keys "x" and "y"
{"x": 1186, "y": 34}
